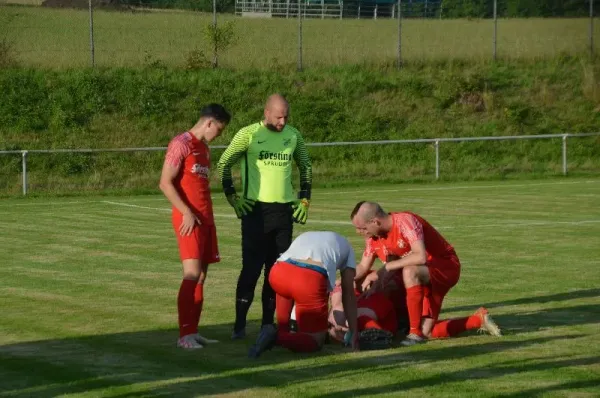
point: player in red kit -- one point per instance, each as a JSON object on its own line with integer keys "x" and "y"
{"x": 376, "y": 319}
{"x": 407, "y": 243}
{"x": 185, "y": 182}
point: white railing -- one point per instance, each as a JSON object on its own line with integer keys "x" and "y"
{"x": 336, "y": 9}
{"x": 436, "y": 141}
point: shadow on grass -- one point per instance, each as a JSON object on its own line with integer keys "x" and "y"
{"x": 576, "y": 294}
{"x": 148, "y": 363}
{"x": 548, "y": 318}
{"x": 484, "y": 373}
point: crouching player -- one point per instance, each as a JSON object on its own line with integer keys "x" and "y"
{"x": 303, "y": 276}
{"x": 429, "y": 266}
{"x": 185, "y": 182}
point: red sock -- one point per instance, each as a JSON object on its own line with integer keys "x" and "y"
{"x": 198, "y": 301}
{"x": 414, "y": 304}
{"x": 454, "y": 327}
{"x": 185, "y": 308}
{"x": 364, "y": 322}
{"x": 297, "y": 342}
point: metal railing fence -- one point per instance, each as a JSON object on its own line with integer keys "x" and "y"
{"x": 436, "y": 141}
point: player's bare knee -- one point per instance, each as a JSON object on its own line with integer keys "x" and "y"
{"x": 191, "y": 269}
{"x": 410, "y": 275}
{"x": 427, "y": 326}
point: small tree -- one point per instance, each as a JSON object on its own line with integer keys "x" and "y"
{"x": 220, "y": 38}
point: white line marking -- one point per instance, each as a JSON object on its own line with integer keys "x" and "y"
{"x": 135, "y": 206}
{"x": 524, "y": 224}
{"x": 460, "y": 187}
{"x": 318, "y": 192}
{"x": 52, "y": 203}
{"x": 335, "y": 222}
{"x": 216, "y": 214}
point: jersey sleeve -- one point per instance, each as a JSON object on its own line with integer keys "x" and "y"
{"x": 177, "y": 151}
{"x": 304, "y": 166}
{"x": 410, "y": 227}
{"x": 235, "y": 150}
{"x": 369, "y": 248}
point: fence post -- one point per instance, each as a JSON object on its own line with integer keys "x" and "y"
{"x": 300, "y": 36}
{"x": 564, "y": 153}
{"x": 24, "y": 165}
{"x": 215, "y": 33}
{"x": 591, "y": 27}
{"x": 399, "y": 62}
{"x": 495, "y": 28}
{"x": 437, "y": 159}
{"x": 91, "y": 10}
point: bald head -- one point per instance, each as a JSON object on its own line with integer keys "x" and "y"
{"x": 276, "y": 112}
{"x": 367, "y": 211}
{"x": 369, "y": 219}
{"x": 276, "y": 101}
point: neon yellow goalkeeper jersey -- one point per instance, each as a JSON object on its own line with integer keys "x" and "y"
{"x": 266, "y": 162}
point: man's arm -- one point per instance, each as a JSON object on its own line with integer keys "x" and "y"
{"x": 304, "y": 166}
{"x": 168, "y": 174}
{"x": 365, "y": 265}
{"x": 349, "y": 302}
{"x": 234, "y": 151}
{"x": 417, "y": 256}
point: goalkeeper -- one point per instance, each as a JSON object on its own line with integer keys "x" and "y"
{"x": 267, "y": 204}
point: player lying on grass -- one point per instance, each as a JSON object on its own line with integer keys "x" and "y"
{"x": 185, "y": 182}
{"x": 377, "y": 323}
{"x": 303, "y": 276}
{"x": 429, "y": 266}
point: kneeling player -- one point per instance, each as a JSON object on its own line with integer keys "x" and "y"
{"x": 429, "y": 266}
{"x": 303, "y": 276}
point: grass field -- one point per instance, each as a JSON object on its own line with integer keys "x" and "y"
{"x": 88, "y": 288}
{"x": 60, "y": 38}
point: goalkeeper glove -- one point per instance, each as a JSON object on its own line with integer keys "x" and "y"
{"x": 242, "y": 206}
{"x": 301, "y": 210}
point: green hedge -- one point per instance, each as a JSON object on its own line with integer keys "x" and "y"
{"x": 146, "y": 107}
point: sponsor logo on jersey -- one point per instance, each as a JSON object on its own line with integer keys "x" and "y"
{"x": 274, "y": 158}
{"x": 200, "y": 171}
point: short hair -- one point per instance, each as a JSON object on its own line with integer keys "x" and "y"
{"x": 215, "y": 111}
{"x": 373, "y": 210}
{"x": 356, "y": 209}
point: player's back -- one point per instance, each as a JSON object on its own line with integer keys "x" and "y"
{"x": 435, "y": 243}
{"x": 327, "y": 247}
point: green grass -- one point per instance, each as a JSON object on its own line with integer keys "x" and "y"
{"x": 60, "y": 39}
{"x": 88, "y": 293}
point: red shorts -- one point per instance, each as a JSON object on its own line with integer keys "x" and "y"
{"x": 443, "y": 275}
{"x": 383, "y": 309}
{"x": 200, "y": 244}
{"x": 309, "y": 291}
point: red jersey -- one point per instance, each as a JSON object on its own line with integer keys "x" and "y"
{"x": 407, "y": 228}
{"x": 192, "y": 157}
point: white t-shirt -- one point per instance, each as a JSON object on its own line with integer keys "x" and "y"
{"x": 329, "y": 248}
